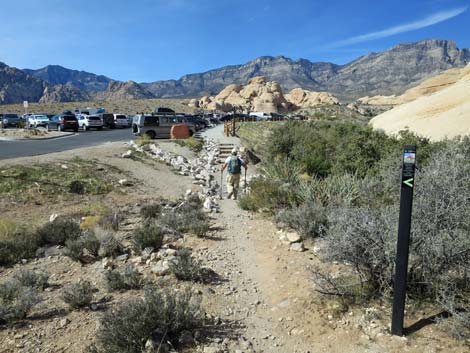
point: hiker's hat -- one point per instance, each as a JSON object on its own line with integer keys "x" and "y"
{"x": 234, "y": 150}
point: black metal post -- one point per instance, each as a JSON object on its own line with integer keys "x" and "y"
{"x": 404, "y": 226}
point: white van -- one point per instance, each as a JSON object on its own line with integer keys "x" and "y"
{"x": 261, "y": 115}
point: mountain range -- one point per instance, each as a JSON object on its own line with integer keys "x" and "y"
{"x": 390, "y": 72}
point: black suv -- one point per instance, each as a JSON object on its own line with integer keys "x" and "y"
{"x": 10, "y": 119}
{"x": 63, "y": 122}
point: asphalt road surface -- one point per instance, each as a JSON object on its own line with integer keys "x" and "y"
{"x": 24, "y": 148}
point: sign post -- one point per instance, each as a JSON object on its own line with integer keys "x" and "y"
{"x": 25, "y": 105}
{"x": 403, "y": 243}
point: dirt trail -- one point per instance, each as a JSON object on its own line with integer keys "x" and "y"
{"x": 268, "y": 290}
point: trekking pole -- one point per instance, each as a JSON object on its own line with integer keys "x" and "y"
{"x": 221, "y": 184}
{"x": 244, "y": 186}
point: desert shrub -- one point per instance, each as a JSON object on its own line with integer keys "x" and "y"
{"x": 35, "y": 279}
{"x": 309, "y": 219}
{"x": 110, "y": 220}
{"x": 188, "y": 217}
{"x": 333, "y": 190}
{"x": 151, "y": 210}
{"x": 90, "y": 222}
{"x": 324, "y": 148}
{"x": 192, "y": 143}
{"x": 127, "y": 327}
{"x": 59, "y": 231}
{"x": 129, "y": 279}
{"x": 78, "y": 295}
{"x": 186, "y": 268}
{"x": 16, "y": 301}
{"x": 91, "y": 243}
{"x": 365, "y": 237}
{"x": 267, "y": 194}
{"x": 76, "y": 248}
{"x": 16, "y": 244}
{"x": 150, "y": 235}
{"x": 109, "y": 245}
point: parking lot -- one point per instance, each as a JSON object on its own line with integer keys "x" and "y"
{"x": 23, "y": 148}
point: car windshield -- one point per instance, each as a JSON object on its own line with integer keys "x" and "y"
{"x": 94, "y": 118}
{"x": 11, "y": 116}
{"x": 121, "y": 117}
{"x": 69, "y": 117}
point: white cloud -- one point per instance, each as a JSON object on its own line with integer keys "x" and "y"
{"x": 406, "y": 27}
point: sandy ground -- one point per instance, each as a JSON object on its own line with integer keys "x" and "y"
{"x": 444, "y": 114}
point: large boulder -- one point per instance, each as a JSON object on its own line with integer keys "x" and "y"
{"x": 305, "y": 99}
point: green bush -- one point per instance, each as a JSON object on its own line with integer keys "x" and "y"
{"x": 18, "y": 245}
{"x": 323, "y": 148}
{"x": 267, "y": 194}
{"x": 189, "y": 217}
{"x": 59, "y": 231}
{"x": 16, "y": 301}
{"x": 109, "y": 245}
{"x": 149, "y": 235}
{"x": 186, "y": 268}
{"x": 34, "y": 279}
{"x": 365, "y": 236}
{"x": 91, "y": 243}
{"x": 129, "y": 279}
{"x": 130, "y": 324}
{"x": 309, "y": 219}
{"x": 78, "y": 295}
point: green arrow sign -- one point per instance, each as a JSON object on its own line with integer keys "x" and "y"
{"x": 408, "y": 182}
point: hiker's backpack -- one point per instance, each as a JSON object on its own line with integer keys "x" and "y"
{"x": 234, "y": 165}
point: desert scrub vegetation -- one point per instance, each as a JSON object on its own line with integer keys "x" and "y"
{"x": 149, "y": 235}
{"x": 16, "y": 301}
{"x": 17, "y": 242}
{"x": 122, "y": 281}
{"x": 186, "y": 268}
{"x": 35, "y": 183}
{"x": 341, "y": 182}
{"x": 34, "y": 279}
{"x": 192, "y": 143}
{"x": 162, "y": 313}
{"x": 78, "y": 295}
{"x": 187, "y": 217}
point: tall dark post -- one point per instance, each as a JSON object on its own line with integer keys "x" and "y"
{"x": 403, "y": 243}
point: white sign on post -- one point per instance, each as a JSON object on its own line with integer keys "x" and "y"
{"x": 25, "y": 104}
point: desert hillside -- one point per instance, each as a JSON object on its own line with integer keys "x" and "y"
{"x": 443, "y": 114}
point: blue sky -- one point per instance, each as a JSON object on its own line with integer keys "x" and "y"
{"x": 149, "y": 40}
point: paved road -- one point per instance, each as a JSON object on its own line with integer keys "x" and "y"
{"x": 14, "y": 149}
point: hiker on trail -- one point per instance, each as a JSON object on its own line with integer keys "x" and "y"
{"x": 234, "y": 166}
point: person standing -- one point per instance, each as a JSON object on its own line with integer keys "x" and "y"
{"x": 234, "y": 165}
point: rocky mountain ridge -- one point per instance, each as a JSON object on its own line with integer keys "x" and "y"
{"x": 387, "y": 73}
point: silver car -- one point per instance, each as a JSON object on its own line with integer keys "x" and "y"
{"x": 156, "y": 126}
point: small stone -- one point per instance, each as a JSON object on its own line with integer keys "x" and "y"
{"x": 124, "y": 182}
{"x": 299, "y": 247}
{"x": 293, "y": 237}
{"x": 64, "y": 322}
{"x": 107, "y": 263}
{"x": 127, "y": 154}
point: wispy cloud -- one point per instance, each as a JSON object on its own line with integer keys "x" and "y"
{"x": 406, "y": 27}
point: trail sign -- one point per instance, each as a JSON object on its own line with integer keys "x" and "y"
{"x": 403, "y": 243}
{"x": 25, "y": 104}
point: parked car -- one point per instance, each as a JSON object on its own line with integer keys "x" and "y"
{"x": 63, "y": 122}
{"x": 10, "y": 119}
{"x": 87, "y": 122}
{"x": 261, "y": 115}
{"x": 156, "y": 126}
{"x": 36, "y": 120}
{"x": 120, "y": 120}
